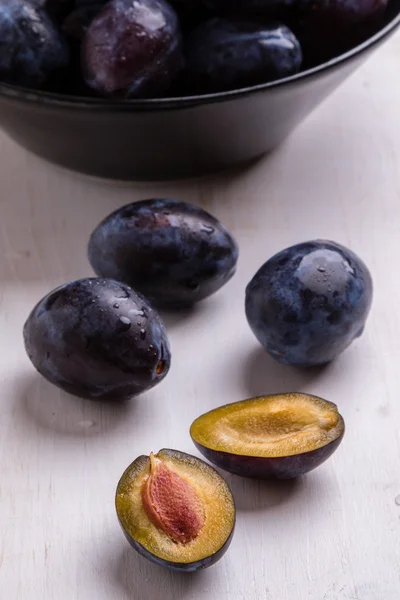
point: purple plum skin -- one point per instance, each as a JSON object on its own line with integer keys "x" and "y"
{"x": 285, "y": 467}
{"x": 309, "y": 302}
{"x": 180, "y": 567}
{"x": 174, "y": 253}
{"x": 32, "y": 49}
{"x": 132, "y": 49}
{"x": 97, "y": 339}
{"x": 229, "y": 54}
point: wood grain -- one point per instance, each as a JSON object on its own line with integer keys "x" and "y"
{"x": 333, "y": 535}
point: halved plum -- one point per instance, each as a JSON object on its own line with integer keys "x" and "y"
{"x": 280, "y": 436}
{"x": 176, "y": 510}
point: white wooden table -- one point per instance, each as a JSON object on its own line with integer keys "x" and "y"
{"x": 334, "y": 535}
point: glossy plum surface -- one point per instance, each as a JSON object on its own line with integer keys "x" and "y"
{"x": 98, "y": 339}
{"x": 227, "y": 54}
{"x": 32, "y": 49}
{"x": 309, "y": 302}
{"x": 132, "y": 49}
{"x": 172, "y": 252}
{"x": 217, "y": 509}
{"x": 281, "y": 436}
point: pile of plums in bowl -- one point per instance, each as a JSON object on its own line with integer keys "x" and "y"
{"x": 151, "y": 90}
{"x": 102, "y": 338}
{"x": 154, "y": 48}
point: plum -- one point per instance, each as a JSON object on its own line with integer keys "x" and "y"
{"x": 132, "y": 49}
{"x": 227, "y": 54}
{"x": 97, "y": 339}
{"x": 172, "y": 252}
{"x": 32, "y": 49}
{"x": 176, "y": 510}
{"x": 279, "y": 436}
{"x": 308, "y": 303}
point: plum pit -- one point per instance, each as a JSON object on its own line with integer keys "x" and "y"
{"x": 171, "y": 503}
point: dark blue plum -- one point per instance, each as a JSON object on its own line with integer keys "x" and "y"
{"x": 132, "y": 49}
{"x": 32, "y": 49}
{"x": 174, "y": 253}
{"x": 309, "y": 302}
{"x": 97, "y": 339}
{"x": 228, "y": 54}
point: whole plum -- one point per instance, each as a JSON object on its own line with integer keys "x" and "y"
{"x": 97, "y": 339}
{"x": 32, "y": 49}
{"x": 309, "y": 302}
{"x": 173, "y": 252}
{"x": 229, "y": 54}
{"x": 132, "y": 49}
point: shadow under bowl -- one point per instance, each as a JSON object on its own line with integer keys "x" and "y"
{"x": 174, "y": 138}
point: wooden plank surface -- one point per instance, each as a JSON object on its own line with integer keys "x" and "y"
{"x": 334, "y": 535}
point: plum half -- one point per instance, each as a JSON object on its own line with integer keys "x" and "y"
{"x": 279, "y": 436}
{"x": 176, "y": 510}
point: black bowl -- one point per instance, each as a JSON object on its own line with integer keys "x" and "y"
{"x": 174, "y": 137}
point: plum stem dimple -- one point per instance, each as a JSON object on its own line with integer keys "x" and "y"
{"x": 171, "y": 503}
{"x": 160, "y": 367}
